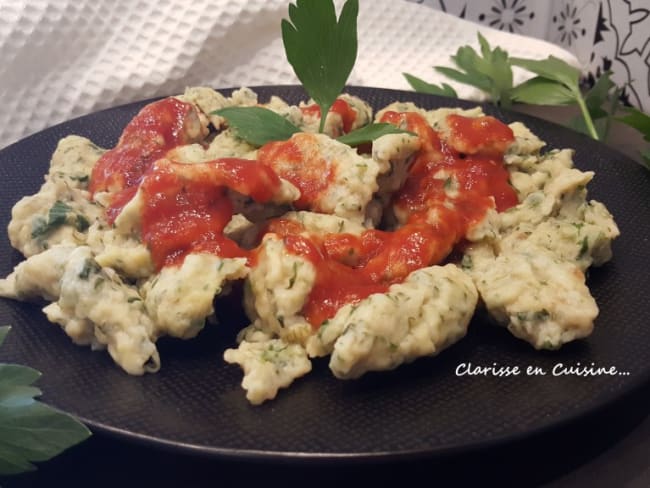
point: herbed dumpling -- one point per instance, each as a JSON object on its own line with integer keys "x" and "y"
{"x": 179, "y": 299}
{"x": 539, "y": 297}
{"x": 38, "y": 276}
{"x": 582, "y": 237}
{"x": 530, "y": 275}
{"x": 108, "y": 307}
{"x": 124, "y": 253}
{"x": 276, "y": 290}
{"x": 268, "y": 365}
{"x": 61, "y": 211}
{"x": 332, "y": 177}
{"x": 92, "y": 304}
{"x": 420, "y": 317}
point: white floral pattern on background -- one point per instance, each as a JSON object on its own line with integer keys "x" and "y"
{"x": 603, "y": 34}
{"x": 512, "y": 16}
{"x": 622, "y": 45}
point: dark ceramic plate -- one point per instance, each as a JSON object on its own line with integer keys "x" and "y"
{"x": 195, "y": 403}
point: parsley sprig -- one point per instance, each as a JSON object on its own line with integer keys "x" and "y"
{"x": 556, "y": 83}
{"x": 369, "y": 133}
{"x": 257, "y": 125}
{"x": 30, "y": 431}
{"x": 321, "y": 50}
{"x": 489, "y": 71}
{"x": 421, "y": 86}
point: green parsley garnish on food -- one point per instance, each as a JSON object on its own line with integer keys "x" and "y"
{"x": 421, "y": 86}
{"x": 369, "y": 133}
{"x": 556, "y": 83}
{"x": 56, "y": 217}
{"x": 489, "y": 71}
{"x": 322, "y": 51}
{"x": 59, "y": 214}
{"x": 30, "y": 431}
{"x": 257, "y": 125}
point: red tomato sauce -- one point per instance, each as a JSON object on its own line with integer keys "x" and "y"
{"x": 484, "y": 135}
{"x": 299, "y": 161}
{"x": 157, "y": 128}
{"x": 341, "y": 107}
{"x": 446, "y": 192}
{"x": 454, "y": 180}
{"x": 443, "y": 175}
{"x": 186, "y": 206}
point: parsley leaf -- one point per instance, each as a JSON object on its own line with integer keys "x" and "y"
{"x": 556, "y": 83}
{"x": 540, "y": 91}
{"x": 58, "y": 213}
{"x": 603, "y": 92}
{"x": 421, "y": 86}
{"x": 257, "y": 125}
{"x": 551, "y": 68}
{"x": 14, "y": 385}
{"x": 600, "y": 94}
{"x": 370, "y": 133}
{"x": 641, "y": 122}
{"x": 56, "y": 217}
{"x": 30, "y": 431}
{"x": 560, "y": 79}
{"x": 321, "y": 50}
{"x": 490, "y": 72}
{"x": 638, "y": 120}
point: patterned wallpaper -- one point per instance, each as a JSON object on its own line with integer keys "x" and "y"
{"x": 603, "y": 34}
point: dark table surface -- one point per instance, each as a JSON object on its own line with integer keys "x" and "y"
{"x": 608, "y": 448}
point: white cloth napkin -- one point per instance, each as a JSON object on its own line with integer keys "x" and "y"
{"x": 65, "y": 58}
